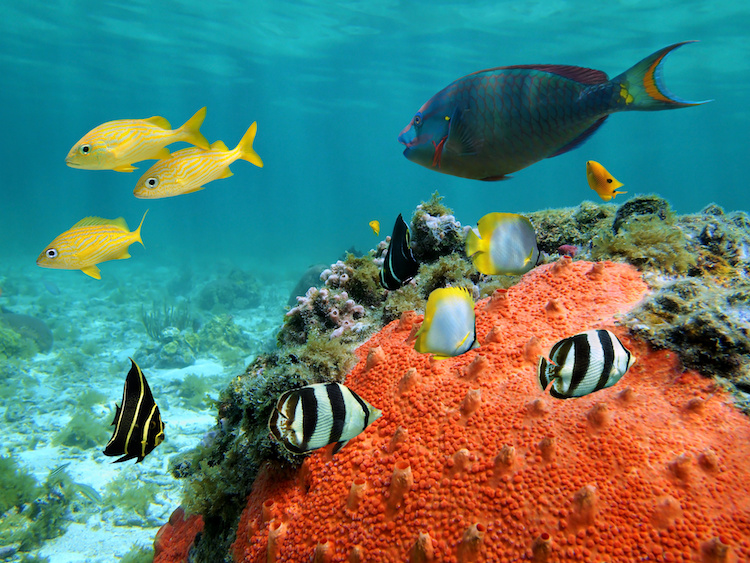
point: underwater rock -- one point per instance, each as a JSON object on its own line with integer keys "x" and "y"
{"x": 570, "y": 226}
{"x": 643, "y": 205}
{"x": 29, "y": 329}
{"x": 239, "y": 290}
{"x": 435, "y": 231}
{"x": 310, "y": 278}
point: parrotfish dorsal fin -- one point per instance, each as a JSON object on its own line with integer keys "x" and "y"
{"x": 159, "y": 122}
{"x": 93, "y": 221}
{"x": 577, "y": 73}
{"x": 218, "y": 146}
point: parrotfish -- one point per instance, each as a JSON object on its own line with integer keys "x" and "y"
{"x": 584, "y": 363}
{"x": 399, "y": 265}
{"x": 116, "y": 145}
{"x": 188, "y": 170}
{"x": 449, "y": 326}
{"x": 497, "y": 121}
{"x": 601, "y": 181}
{"x": 315, "y": 416}
{"x": 89, "y": 242}
{"x": 138, "y": 425}
{"x": 504, "y": 243}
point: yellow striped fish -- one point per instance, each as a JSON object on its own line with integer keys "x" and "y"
{"x": 116, "y": 145}
{"x": 188, "y": 170}
{"x": 89, "y": 242}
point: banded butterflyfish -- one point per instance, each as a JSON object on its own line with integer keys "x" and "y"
{"x": 315, "y": 416}
{"x": 399, "y": 265}
{"x": 583, "y": 364}
{"x": 138, "y": 425}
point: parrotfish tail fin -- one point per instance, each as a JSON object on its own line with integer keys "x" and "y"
{"x": 641, "y": 87}
{"x": 137, "y": 232}
{"x": 191, "y": 130}
{"x": 245, "y": 146}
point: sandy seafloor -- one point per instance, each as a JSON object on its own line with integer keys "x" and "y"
{"x": 108, "y": 314}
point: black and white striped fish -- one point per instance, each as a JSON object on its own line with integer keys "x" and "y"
{"x": 314, "y": 416}
{"x": 399, "y": 265}
{"x": 138, "y": 425}
{"x": 584, "y": 363}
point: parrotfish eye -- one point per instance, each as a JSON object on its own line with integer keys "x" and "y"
{"x": 418, "y": 119}
{"x": 152, "y": 182}
{"x": 51, "y": 253}
{"x": 84, "y": 149}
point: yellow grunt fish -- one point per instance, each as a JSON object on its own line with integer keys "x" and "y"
{"x": 89, "y": 242}
{"x": 601, "y": 181}
{"x": 189, "y": 169}
{"x": 116, "y": 145}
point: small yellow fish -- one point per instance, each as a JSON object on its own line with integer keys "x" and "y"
{"x": 89, "y": 242}
{"x": 449, "y": 326}
{"x": 601, "y": 181}
{"x": 189, "y": 169}
{"x": 116, "y": 145}
{"x": 375, "y": 226}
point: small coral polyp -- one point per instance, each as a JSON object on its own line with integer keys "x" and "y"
{"x": 472, "y": 462}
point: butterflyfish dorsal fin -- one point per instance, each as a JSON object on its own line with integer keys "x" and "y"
{"x": 159, "y": 122}
{"x": 218, "y": 146}
{"x": 100, "y": 221}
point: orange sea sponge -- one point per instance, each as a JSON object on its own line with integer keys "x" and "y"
{"x": 471, "y": 461}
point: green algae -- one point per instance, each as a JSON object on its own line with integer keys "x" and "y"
{"x": 17, "y": 486}
{"x": 84, "y": 431}
{"x": 364, "y": 283}
{"x": 14, "y": 345}
{"x": 138, "y": 554}
{"x": 129, "y": 495}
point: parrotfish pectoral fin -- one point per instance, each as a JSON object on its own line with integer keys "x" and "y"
{"x": 642, "y": 87}
{"x": 460, "y": 139}
{"x": 92, "y": 271}
{"x": 580, "y": 139}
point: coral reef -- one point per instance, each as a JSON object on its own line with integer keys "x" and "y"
{"x": 34, "y": 332}
{"x": 238, "y": 290}
{"x": 435, "y": 231}
{"x": 471, "y": 461}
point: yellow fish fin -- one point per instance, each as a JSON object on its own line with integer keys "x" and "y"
{"x": 125, "y": 254}
{"x": 199, "y": 188}
{"x": 137, "y": 232}
{"x": 100, "y": 221}
{"x": 474, "y": 244}
{"x": 226, "y": 174}
{"x": 191, "y": 130}
{"x": 245, "y": 146}
{"x": 218, "y": 146}
{"x": 159, "y": 122}
{"x": 125, "y": 168}
{"x": 483, "y": 263}
{"x": 163, "y": 153}
{"x": 92, "y": 271}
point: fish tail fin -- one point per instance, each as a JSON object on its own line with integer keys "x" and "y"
{"x": 474, "y": 244}
{"x": 191, "y": 130}
{"x": 137, "y": 232}
{"x": 245, "y": 146}
{"x": 642, "y": 86}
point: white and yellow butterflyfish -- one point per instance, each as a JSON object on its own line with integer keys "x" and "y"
{"x": 504, "y": 243}
{"x": 449, "y": 326}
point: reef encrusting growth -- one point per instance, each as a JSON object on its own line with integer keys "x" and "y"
{"x": 697, "y": 265}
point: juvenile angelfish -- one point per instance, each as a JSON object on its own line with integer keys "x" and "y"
{"x": 116, "y": 145}
{"x": 601, "y": 181}
{"x": 89, "y": 242}
{"x": 504, "y": 243}
{"x": 138, "y": 425}
{"x": 494, "y": 122}
{"x": 399, "y": 265}
{"x": 583, "y": 364}
{"x": 315, "y": 416}
{"x": 188, "y": 170}
{"x": 449, "y": 326}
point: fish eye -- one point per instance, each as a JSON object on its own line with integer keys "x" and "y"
{"x": 50, "y": 253}
{"x": 609, "y": 180}
{"x": 84, "y": 149}
{"x": 418, "y": 119}
{"x": 152, "y": 182}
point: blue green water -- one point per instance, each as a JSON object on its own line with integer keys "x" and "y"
{"x": 331, "y": 85}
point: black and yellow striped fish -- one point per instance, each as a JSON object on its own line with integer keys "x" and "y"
{"x": 584, "y": 363}
{"x": 315, "y": 416}
{"x": 399, "y": 265}
{"x": 138, "y": 425}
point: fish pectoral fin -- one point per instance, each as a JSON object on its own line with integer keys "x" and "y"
{"x": 460, "y": 139}
{"x": 199, "y": 188}
{"x": 125, "y": 168}
{"x": 92, "y": 271}
{"x": 163, "y": 153}
{"x": 226, "y": 174}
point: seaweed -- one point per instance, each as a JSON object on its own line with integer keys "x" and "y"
{"x": 157, "y": 320}
{"x": 83, "y": 431}
{"x": 139, "y": 554}
{"x": 131, "y": 496}
{"x": 17, "y": 487}
{"x": 364, "y": 283}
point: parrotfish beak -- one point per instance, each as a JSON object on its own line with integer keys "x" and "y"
{"x": 408, "y": 139}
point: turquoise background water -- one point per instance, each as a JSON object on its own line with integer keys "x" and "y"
{"x": 331, "y": 85}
